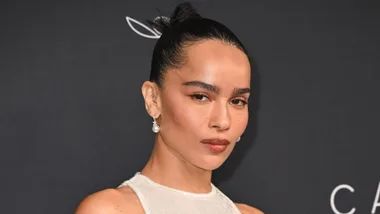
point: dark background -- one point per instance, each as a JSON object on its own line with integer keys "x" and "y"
{"x": 72, "y": 118}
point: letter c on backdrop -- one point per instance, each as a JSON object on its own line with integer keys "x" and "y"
{"x": 332, "y": 198}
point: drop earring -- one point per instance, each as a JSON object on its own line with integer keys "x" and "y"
{"x": 239, "y": 138}
{"x": 155, "y": 127}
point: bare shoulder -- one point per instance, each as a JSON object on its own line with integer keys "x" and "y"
{"x": 246, "y": 209}
{"x": 111, "y": 201}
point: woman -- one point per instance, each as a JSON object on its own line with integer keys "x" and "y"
{"x": 197, "y": 97}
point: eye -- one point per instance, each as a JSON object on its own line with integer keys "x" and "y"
{"x": 239, "y": 102}
{"x": 199, "y": 97}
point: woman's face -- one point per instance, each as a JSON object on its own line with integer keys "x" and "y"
{"x": 204, "y": 103}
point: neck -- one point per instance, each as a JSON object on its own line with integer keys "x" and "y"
{"x": 168, "y": 168}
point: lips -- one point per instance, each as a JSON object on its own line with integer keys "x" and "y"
{"x": 216, "y": 141}
{"x": 216, "y": 145}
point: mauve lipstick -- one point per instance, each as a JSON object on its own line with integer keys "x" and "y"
{"x": 216, "y": 145}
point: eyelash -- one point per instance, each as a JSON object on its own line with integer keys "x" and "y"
{"x": 242, "y": 101}
{"x": 196, "y": 96}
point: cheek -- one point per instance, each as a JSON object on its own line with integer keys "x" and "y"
{"x": 241, "y": 120}
{"x": 180, "y": 112}
{"x": 196, "y": 117}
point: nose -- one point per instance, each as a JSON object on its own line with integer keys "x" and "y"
{"x": 220, "y": 117}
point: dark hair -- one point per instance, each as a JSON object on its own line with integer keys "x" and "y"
{"x": 183, "y": 28}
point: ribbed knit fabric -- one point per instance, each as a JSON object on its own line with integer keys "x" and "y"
{"x": 158, "y": 199}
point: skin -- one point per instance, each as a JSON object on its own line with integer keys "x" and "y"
{"x": 204, "y": 99}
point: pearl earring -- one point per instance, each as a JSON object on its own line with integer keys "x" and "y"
{"x": 155, "y": 127}
{"x": 238, "y": 139}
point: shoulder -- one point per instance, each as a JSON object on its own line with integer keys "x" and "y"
{"x": 111, "y": 201}
{"x": 246, "y": 209}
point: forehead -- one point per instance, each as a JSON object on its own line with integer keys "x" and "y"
{"x": 216, "y": 62}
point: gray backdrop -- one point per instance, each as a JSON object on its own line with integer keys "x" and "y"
{"x": 72, "y": 119}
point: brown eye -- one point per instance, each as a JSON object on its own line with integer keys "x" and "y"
{"x": 238, "y": 102}
{"x": 199, "y": 97}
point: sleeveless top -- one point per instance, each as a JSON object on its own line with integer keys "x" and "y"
{"x": 158, "y": 199}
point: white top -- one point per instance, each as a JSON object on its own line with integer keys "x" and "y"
{"x": 158, "y": 199}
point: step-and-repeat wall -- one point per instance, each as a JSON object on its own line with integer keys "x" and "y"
{"x": 73, "y": 122}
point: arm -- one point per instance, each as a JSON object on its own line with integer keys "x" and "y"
{"x": 246, "y": 209}
{"x": 110, "y": 201}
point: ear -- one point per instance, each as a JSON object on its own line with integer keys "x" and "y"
{"x": 151, "y": 94}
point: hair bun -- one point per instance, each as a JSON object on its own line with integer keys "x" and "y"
{"x": 160, "y": 23}
{"x": 183, "y": 12}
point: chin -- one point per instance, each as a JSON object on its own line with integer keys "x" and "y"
{"x": 212, "y": 163}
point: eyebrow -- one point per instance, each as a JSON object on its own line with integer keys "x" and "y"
{"x": 209, "y": 87}
{"x": 215, "y": 89}
{"x": 240, "y": 91}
